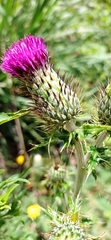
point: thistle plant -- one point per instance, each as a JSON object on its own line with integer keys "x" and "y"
{"x": 58, "y": 106}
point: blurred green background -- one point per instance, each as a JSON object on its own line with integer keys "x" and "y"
{"x": 78, "y": 34}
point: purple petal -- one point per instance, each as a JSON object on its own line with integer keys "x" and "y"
{"x": 25, "y": 56}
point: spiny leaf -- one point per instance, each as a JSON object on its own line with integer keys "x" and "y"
{"x": 6, "y": 117}
{"x": 95, "y": 128}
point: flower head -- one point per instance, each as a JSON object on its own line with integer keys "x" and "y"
{"x": 33, "y": 211}
{"x": 25, "y": 56}
{"x": 20, "y": 159}
{"x": 55, "y": 102}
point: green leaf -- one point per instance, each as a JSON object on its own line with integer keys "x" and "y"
{"x": 6, "y": 117}
{"x": 5, "y": 207}
{"x": 95, "y": 128}
{"x": 12, "y": 180}
{"x": 24, "y": 174}
{"x": 4, "y": 197}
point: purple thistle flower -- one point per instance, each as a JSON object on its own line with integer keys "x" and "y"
{"x": 25, "y": 57}
{"x": 55, "y": 102}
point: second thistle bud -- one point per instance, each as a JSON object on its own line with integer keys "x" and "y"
{"x": 104, "y": 106}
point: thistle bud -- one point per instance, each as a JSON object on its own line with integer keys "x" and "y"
{"x": 67, "y": 230}
{"x": 54, "y": 101}
{"x": 104, "y": 106}
{"x": 57, "y": 174}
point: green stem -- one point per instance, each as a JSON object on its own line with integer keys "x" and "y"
{"x": 81, "y": 168}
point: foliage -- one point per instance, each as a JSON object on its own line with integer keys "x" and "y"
{"x": 6, "y": 117}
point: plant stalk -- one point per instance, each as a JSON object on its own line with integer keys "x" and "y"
{"x": 81, "y": 168}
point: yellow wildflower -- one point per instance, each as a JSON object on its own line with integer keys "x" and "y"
{"x": 33, "y": 211}
{"x": 20, "y": 159}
